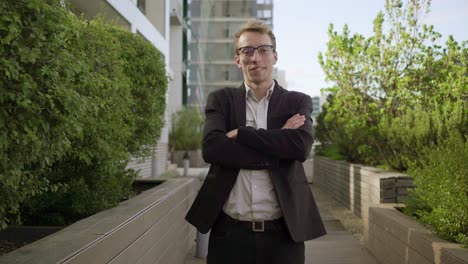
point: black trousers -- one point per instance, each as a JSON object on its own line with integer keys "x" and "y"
{"x": 231, "y": 243}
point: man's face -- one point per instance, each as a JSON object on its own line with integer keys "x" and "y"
{"x": 257, "y": 67}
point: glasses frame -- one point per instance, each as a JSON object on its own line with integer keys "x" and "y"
{"x": 239, "y": 50}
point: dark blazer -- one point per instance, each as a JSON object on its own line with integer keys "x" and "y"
{"x": 281, "y": 151}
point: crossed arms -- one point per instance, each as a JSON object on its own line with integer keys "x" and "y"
{"x": 250, "y": 148}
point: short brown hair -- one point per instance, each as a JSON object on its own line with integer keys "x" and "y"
{"x": 254, "y": 26}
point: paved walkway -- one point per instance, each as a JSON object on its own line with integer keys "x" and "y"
{"x": 339, "y": 246}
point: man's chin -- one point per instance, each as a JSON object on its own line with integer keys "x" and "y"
{"x": 257, "y": 80}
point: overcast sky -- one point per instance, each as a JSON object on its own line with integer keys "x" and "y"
{"x": 301, "y": 28}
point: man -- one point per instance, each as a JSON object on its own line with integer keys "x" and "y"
{"x": 256, "y": 198}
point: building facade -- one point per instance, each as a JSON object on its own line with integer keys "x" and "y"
{"x": 160, "y": 22}
{"x": 210, "y": 51}
{"x": 316, "y": 106}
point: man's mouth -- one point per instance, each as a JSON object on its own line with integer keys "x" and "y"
{"x": 256, "y": 68}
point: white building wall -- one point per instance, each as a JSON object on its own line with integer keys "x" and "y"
{"x": 157, "y": 164}
{"x": 139, "y": 22}
{"x": 175, "y": 85}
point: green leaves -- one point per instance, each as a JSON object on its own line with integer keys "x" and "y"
{"x": 76, "y": 99}
{"x": 400, "y": 101}
{"x": 187, "y": 129}
{"x": 441, "y": 198}
{"x": 394, "y": 90}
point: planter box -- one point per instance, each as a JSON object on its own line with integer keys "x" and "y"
{"x": 149, "y": 228}
{"x": 358, "y": 187}
{"x": 395, "y": 238}
{"x": 25, "y": 234}
{"x": 391, "y": 236}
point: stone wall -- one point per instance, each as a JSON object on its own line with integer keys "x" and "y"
{"x": 395, "y": 238}
{"x": 148, "y": 228}
{"x": 355, "y": 186}
{"x": 391, "y": 236}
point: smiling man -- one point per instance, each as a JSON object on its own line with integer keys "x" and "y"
{"x": 255, "y": 198}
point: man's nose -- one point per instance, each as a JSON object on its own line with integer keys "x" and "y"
{"x": 256, "y": 55}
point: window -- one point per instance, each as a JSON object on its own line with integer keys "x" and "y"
{"x": 141, "y": 4}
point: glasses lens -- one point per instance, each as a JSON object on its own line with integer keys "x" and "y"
{"x": 247, "y": 51}
{"x": 263, "y": 50}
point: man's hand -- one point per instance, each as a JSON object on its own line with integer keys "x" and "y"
{"x": 232, "y": 134}
{"x": 294, "y": 122}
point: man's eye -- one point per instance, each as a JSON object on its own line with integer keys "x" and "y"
{"x": 247, "y": 50}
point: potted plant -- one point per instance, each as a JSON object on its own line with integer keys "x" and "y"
{"x": 185, "y": 137}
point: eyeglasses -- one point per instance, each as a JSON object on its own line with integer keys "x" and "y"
{"x": 263, "y": 50}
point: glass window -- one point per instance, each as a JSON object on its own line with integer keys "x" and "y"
{"x": 141, "y": 4}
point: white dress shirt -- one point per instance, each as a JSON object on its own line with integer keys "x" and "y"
{"x": 253, "y": 196}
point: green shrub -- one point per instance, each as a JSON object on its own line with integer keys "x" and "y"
{"x": 393, "y": 96}
{"x": 440, "y": 198}
{"x": 40, "y": 114}
{"x": 78, "y": 97}
{"x": 144, "y": 66}
{"x": 187, "y": 129}
{"x": 398, "y": 102}
{"x": 83, "y": 190}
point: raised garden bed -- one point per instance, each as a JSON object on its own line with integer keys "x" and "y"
{"x": 15, "y": 237}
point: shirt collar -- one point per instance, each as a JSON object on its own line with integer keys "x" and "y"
{"x": 250, "y": 92}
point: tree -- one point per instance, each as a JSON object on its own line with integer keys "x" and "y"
{"x": 76, "y": 98}
{"x": 397, "y": 90}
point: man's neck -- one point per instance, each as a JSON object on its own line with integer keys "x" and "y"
{"x": 260, "y": 89}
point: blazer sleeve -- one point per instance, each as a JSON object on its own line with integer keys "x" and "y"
{"x": 218, "y": 149}
{"x": 287, "y": 144}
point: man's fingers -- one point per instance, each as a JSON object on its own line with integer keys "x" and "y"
{"x": 295, "y": 121}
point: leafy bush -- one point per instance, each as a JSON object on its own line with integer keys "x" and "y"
{"x": 396, "y": 92}
{"x": 398, "y": 102}
{"x": 440, "y": 198}
{"x": 187, "y": 129}
{"x": 77, "y": 98}
{"x": 144, "y": 66}
{"x": 38, "y": 113}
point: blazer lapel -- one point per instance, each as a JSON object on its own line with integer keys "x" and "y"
{"x": 240, "y": 105}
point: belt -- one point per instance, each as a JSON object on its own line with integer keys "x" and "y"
{"x": 254, "y": 225}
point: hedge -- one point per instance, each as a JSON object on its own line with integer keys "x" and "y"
{"x": 74, "y": 105}
{"x": 440, "y": 198}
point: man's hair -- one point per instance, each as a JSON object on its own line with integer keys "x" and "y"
{"x": 254, "y": 26}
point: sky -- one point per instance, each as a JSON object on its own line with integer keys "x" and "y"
{"x": 301, "y": 26}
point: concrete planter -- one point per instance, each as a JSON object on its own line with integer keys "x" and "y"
{"x": 391, "y": 236}
{"x": 149, "y": 228}
{"x": 395, "y": 238}
{"x": 355, "y": 186}
{"x": 195, "y": 158}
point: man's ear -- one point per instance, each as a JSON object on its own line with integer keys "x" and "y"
{"x": 275, "y": 55}
{"x": 237, "y": 60}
